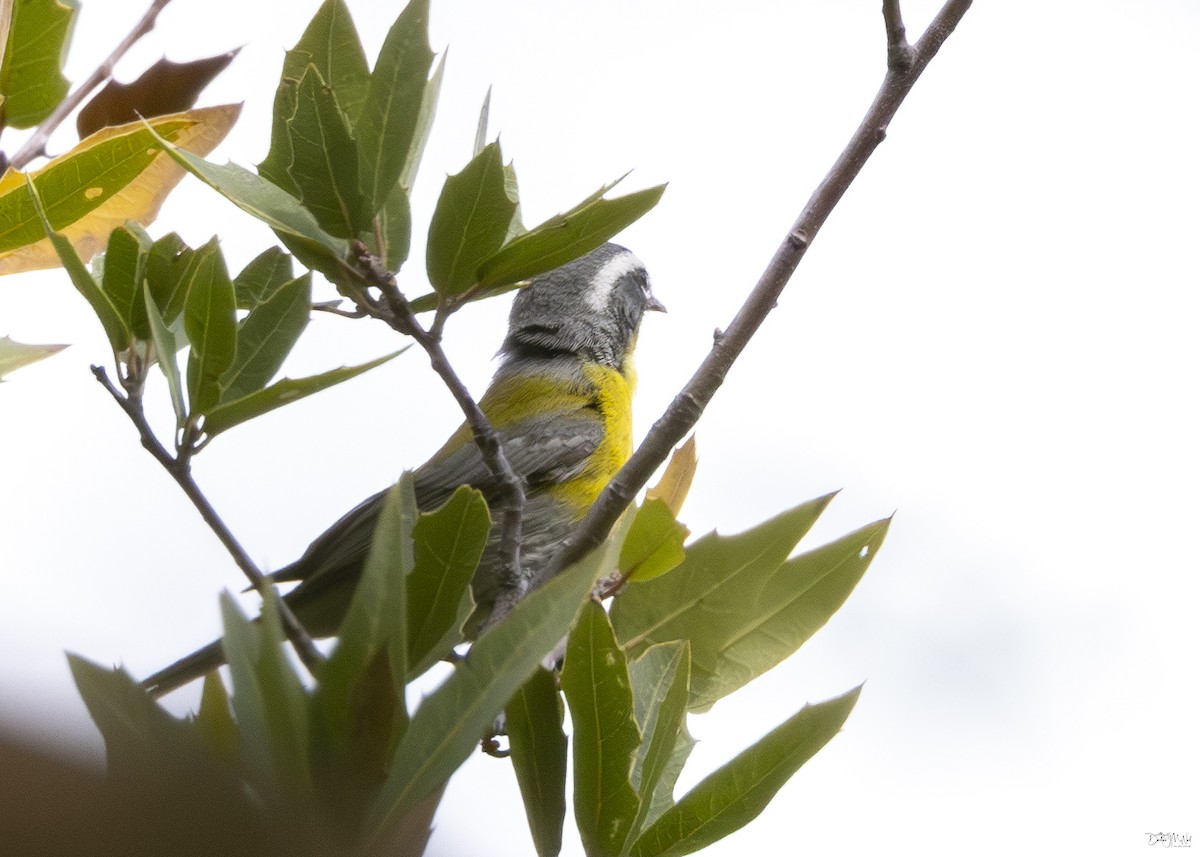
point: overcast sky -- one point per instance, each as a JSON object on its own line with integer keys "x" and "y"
{"x": 994, "y": 336}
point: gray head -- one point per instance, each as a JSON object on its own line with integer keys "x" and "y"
{"x": 590, "y": 307}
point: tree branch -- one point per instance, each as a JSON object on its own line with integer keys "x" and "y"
{"x": 900, "y": 52}
{"x": 395, "y": 311}
{"x": 681, "y": 415}
{"x": 180, "y": 470}
{"x": 35, "y": 146}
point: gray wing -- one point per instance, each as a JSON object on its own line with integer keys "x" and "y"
{"x": 543, "y": 450}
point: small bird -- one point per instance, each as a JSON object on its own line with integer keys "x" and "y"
{"x": 560, "y": 403}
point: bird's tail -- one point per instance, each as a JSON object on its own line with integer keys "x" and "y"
{"x": 193, "y": 666}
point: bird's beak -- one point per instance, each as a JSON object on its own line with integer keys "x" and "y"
{"x": 655, "y": 304}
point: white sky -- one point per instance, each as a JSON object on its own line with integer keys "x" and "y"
{"x": 994, "y": 335}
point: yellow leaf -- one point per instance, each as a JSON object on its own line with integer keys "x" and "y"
{"x": 672, "y": 489}
{"x": 89, "y": 200}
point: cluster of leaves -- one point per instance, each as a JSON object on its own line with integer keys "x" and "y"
{"x": 346, "y": 142}
{"x": 350, "y": 754}
{"x": 346, "y": 756}
{"x": 156, "y": 297}
{"x": 114, "y": 174}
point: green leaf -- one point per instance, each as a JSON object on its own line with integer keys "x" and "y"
{"x": 215, "y": 721}
{"x": 31, "y": 78}
{"x": 124, "y": 261}
{"x": 395, "y": 224}
{"x": 211, "y": 327}
{"x": 663, "y": 797}
{"x": 268, "y": 700}
{"x": 515, "y": 225}
{"x": 77, "y": 183}
{"x": 481, "y": 127}
{"x": 324, "y": 167}
{"x": 272, "y": 205}
{"x": 429, "y": 100}
{"x": 797, "y": 600}
{"x": 660, "y": 694}
{"x": 565, "y": 237}
{"x": 449, "y": 543}
{"x": 167, "y": 271}
{"x": 595, "y": 681}
{"x": 469, "y": 224}
{"x": 331, "y": 43}
{"x": 538, "y": 746}
{"x": 447, "y": 726}
{"x": 260, "y": 279}
{"x": 120, "y": 337}
{"x": 371, "y": 644}
{"x": 167, "y": 354}
{"x": 734, "y": 794}
{"x": 137, "y": 733}
{"x": 14, "y": 355}
{"x": 274, "y": 167}
{"x": 429, "y": 302}
{"x": 229, "y": 414}
{"x": 266, "y": 337}
{"x": 654, "y": 545}
{"x": 391, "y": 119}
{"x": 165, "y": 87}
{"x": 712, "y": 599}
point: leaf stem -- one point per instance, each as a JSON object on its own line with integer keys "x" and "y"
{"x": 35, "y": 146}
{"x": 179, "y": 466}
{"x": 683, "y": 412}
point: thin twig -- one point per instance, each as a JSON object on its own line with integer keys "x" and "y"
{"x": 180, "y": 471}
{"x": 899, "y": 51}
{"x": 394, "y": 309}
{"x": 35, "y": 146}
{"x": 681, "y": 415}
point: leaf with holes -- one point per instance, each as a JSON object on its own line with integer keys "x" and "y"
{"x": 115, "y": 175}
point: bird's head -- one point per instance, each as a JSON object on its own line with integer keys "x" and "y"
{"x": 590, "y": 307}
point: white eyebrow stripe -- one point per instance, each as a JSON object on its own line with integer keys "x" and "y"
{"x": 614, "y": 269}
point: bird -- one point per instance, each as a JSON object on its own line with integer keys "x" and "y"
{"x": 560, "y": 403}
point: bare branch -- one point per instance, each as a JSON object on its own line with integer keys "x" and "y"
{"x": 180, "y": 470}
{"x": 685, "y": 410}
{"x": 35, "y": 146}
